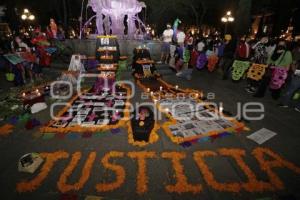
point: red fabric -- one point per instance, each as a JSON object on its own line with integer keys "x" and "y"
{"x": 29, "y": 125}
{"x": 243, "y": 51}
{"x": 194, "y": 57}
{"x": 45, "y": 58}
{"x": 28, "y": 56}
{"x": 38, "y": 39}
{"x": 49, "y": 34}
{"x": 212, "y": 62}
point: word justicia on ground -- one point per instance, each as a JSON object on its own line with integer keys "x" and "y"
{"x": 267, "y": 160}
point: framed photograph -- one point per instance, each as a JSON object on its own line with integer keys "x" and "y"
{"x": 103, "y": 122}
{"x": 84, "y": 111}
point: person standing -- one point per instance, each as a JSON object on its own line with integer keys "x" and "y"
{"x": 294, "y": 85}
{"x": 167, "y": 39}
{"x": 201, "y": 45}
{"x": 228, "y": 56}
{"x": 187, "y": 68}
{"x": 243, "y": 50}
{"x": 260, "y": 56}
{"x": 19, "y": 46}
{"x": 190, "y": 41}
{"x": 260, "y": 51}
{"x": 180, "y": 37}
{"x": 281, "y": 57}
{"x": 53, "y": 28}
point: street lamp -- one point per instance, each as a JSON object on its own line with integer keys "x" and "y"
{"x": 27, "y": 15}
{"x": 228, "y": 18}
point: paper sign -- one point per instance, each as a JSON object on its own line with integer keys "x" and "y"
{"x": 262, "y": 136}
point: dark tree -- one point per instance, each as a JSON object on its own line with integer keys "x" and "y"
{"x": 243, "y": 17}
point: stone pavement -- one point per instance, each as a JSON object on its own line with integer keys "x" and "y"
{"x": 285, "y": 122}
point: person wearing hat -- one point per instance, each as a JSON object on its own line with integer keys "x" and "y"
{"x": 167, "y": 39}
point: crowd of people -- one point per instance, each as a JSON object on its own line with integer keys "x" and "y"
{"x": 185, "y": 52}
{"x": 24, "y": 55}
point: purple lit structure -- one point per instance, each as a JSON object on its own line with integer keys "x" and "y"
{"x": 110, "y": 15}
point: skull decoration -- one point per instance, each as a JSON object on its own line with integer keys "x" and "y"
{"x": 239, "y": 69}
{"x": 279, "y": 75}
{"x": 257, "y": 71}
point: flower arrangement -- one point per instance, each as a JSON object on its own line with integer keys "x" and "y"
{"x": 142, "y": 178}
{"x": 153, "y": 136}
{"x": 62, "y": 183}
{"x": 6, "y": 129}
{"x": 119, "y": 171}
{"x": 266, "y": 165}
{"x": 81, "y": 129}
{"x": 51, "y": 159}
{"x": 182, "y": 185}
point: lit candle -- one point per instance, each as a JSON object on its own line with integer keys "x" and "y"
{"x": 167, "y": 110}
{"x": 160, "y": 88}
{"x": 176, "y": 87}
{"x": 39, "y": 94}
{"x": 148, "y": 89}
{"x": 37, "y": 90}
{"x": 24, "y": 94}
{"x": 197, "y": 95}
{"x": 151, "y": 93}
{"x": 221, "y": 109}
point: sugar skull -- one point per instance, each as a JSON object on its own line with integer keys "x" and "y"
{"x": 239, "y": 69}
{"x": 279, "y": 76}
{"x": 256, "y": 72}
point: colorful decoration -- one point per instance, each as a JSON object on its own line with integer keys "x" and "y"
{"x": 279, "y": 76}
{"x": 62, "y": 183}
{"x": 51, "y": 159}
{"x": 119, "y": 171}
{"x": 256, "y": 71}
{"x": 142, "y": 178}
{"x": 250, "y": 182}
{"x": 239, "y": 69}
{"x": 82, "y": 109}
{"x": 186, "y": 55}
{"x": 175, "y": 28}
{"x": 201, "y": 61}
{"x": 152, "y": 138}
{"x": 182, "y": 185}
{"x": 212, "y": 61}
{"x": 205, "y": 128}
{"x": 6, "y": 129}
